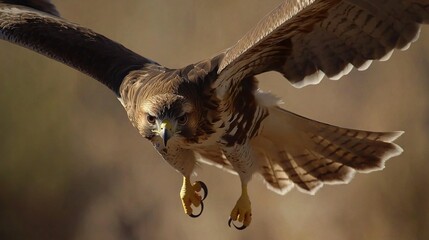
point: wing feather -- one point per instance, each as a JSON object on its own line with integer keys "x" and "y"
{"x": 81, "y": 48}
{"x": 306, "y": 40}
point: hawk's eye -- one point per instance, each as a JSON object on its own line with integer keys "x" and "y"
{"x": 151, "y": 119}
{"x": 182, "y": 119}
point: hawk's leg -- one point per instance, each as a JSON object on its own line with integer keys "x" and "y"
{"x": 183, "y": 160}
{"x": 241, "y": 158}
{"x": 242, "y": 210}
{"x": 189, "y": 195}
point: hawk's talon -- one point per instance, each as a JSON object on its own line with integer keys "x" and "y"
{"x": 190, "y": 196}
{"x": 242, "y": 211}
{"x": 238, "y": 228}
{"x": 204, "y": 188}
{"x": 201, "y": 186}
{"x": 201, "y": 211}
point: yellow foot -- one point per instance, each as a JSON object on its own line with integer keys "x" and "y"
{"x": 242, "y": 212}
{"x": 189, "y": 195}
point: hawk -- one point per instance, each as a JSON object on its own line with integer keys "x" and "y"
{"x": 213, "y": 111}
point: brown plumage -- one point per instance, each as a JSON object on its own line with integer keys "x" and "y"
{"x": 213, "y": 111}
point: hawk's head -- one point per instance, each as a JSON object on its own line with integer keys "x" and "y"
{"x": 167, "y": 117}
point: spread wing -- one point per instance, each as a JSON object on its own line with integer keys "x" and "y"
{"x": 37, "y": 27}
{"x": 307, "y": 39}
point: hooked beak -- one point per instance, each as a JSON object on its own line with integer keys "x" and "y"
{"x": 165, "y": 131}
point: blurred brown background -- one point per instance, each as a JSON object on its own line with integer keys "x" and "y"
{"x": 73, "y": 167}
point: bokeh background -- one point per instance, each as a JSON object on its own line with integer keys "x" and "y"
{"x": 73, "y": 167}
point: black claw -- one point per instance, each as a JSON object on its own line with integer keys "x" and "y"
{"x": 199, "y": 214}
{"x": 229, "y": 222}
{"x": 205, "y": 189}
{"x": 238, "y": 228}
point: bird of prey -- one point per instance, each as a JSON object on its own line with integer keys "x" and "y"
{"x": 213, "y": 112}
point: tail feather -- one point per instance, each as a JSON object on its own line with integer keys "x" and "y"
{"x": 298, "y": 151}
{"x": 271, "y": 170}
{"x": 298, "y": 174}
{"x": 361, "y": 154}
{"x": 325, "y": 169}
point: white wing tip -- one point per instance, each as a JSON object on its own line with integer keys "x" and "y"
{"x": 415, "y": 38}
{"x": 386, "y": 56}
{"x": 405, "y": 47}
{"x": 347, "y": 69}
{"x": 365, "y": 65}
{"x": 311, "y": 79}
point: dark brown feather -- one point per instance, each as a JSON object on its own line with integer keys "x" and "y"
{"x": 76, "y": 46}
